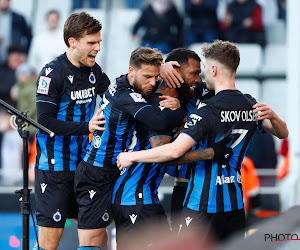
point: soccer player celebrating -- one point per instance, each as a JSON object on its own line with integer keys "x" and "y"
{"x": 124, "y": 103}
{"x": 66, "y": 96}
{"x": 135, "y": 199}
{"x": 215, "y": 191}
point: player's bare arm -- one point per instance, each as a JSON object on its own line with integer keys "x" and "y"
{"x": 159, "y": 154}
{"x": 159, "y": 141}
{"x": 219, "y": 152}
{"x": 192, "y": 156}
{"x": 272, "y": 123}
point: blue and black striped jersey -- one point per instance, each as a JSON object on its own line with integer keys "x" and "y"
{"x": 71, "y": 93}
{"x": 201, "y": 93}
{"x": 215, "y": 187}
{"x": 122, "y": 108}
{"x": 138, "y": 184}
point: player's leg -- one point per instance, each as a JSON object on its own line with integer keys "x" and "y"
{"x": 49, "y": 237}
{"x": 92, "y": 237}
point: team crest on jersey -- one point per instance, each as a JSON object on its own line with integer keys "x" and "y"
{"x": 44, "y": 84}
{"x": 92, "y": 78}
{"x": 137, "y": 97}
{"x": 105, "y": 216}
{"x": 57, "y": 216}
{"x": 97, "y": 141}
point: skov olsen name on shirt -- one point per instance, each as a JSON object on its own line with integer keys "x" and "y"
{"x": 81, "y": 95}
{"x": 236, "y": 116}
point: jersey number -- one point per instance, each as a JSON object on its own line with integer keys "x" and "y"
{"x": 242, "y": 133}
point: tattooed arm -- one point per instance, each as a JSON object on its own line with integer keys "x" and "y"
{"x": 159, "y": 140}
{"x": 192, "y": 156}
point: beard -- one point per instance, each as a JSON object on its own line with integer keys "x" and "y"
{"x": 138, "y": 89}
{"x": 184, "y": 92}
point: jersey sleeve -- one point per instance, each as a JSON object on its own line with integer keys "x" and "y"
{"x": 158, "y": 119}
{"x": 49, "y": 89}
{"x": 198, "y": 123}
{"x": 49, "y": 85}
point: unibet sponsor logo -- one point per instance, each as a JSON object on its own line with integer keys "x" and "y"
{"x": 83, "y": 96}
{"x": 236, "y": 116}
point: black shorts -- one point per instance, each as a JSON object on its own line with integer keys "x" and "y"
{"x": 132, "y": 221}
{"x": 93, "y": 191}
{"x": 222, "y": 225}
{"x": 178, "y": 196}
{"x": 55, "y": 199}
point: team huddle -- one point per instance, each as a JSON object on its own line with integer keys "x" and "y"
{"x": 145, "y": 127}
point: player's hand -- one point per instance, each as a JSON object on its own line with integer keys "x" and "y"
{"x": 222, "y": 152}
{"x": 169, "y": 102}
{"x": 97, "y": 122}
{"x": 171, "y": 77}
{"x": 124, "y": 161}
{"x": 263, "y": 111}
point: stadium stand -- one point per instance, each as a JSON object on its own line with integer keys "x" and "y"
{"x": 250, "y": 60}
{"x": 274, "y": 64}
{"x": 276, "y": 32}
{"x": 274, "y": 93}
{"x": 249, "y": 86}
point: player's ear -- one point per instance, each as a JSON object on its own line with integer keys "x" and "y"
{"x": 131, "y": 71}
{"x": 214, "y": 69}
{"x": 72, "y": 42}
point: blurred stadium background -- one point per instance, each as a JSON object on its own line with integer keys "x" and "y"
{"x": 270, "y": 73}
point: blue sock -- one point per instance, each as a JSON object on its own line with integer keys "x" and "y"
{"x": 88, "y": 248}
{"x": 37, "y": 248}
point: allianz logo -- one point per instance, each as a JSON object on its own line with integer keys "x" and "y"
{"x": 83, "y": 93}
{"x": 228, "y": 179}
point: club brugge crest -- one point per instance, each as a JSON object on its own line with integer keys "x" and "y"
{"x": 57, "y": 216}
{"x": 92, "y": 78}
{"x": 105, "y": 216}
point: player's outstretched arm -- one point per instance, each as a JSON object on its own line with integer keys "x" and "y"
{"x": 272, "y": 123}
{"x": 159, "y": 154}
{"x": 219, "y": 152}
